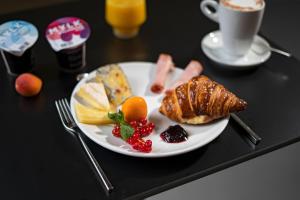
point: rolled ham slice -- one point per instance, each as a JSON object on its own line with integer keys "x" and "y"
{"x": 164, "y": 66}
{"x": 194, "y": 68}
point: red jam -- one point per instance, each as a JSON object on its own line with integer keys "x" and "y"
{"x": 174, "y": 134}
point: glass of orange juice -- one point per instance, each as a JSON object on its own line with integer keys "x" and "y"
{"x": 125, "y": 16}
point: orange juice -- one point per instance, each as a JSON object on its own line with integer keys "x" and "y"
{"x": 125, "y": 16}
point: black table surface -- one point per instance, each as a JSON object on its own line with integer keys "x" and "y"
{"x": 39, "y": 160}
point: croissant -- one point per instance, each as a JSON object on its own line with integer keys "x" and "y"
{"x": 200, "y": 101}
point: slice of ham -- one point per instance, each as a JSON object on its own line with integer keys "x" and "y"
{"x": 194, "y": 68}
{"x": 164, "y": 66}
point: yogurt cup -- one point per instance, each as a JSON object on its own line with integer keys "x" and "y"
{"x": 17, "y": 38}
{"x": 67, "y": 36}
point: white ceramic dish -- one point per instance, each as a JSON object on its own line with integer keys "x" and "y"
{"x": 212, "y": 46}
{"x": 140, "y": 75}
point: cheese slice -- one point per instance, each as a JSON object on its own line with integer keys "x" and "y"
{"x": 94, "y": 95}
{"x": 89, "y": 115}
{"x": 115, "y": 83}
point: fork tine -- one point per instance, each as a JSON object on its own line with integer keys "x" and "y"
{"x": 63, "y": 111}
{"x": 68, "y": 110}
{"x": 67, "y": 121}
{"x": 61, "y": 116}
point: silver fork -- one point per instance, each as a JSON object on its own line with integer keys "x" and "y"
{"x": 69, "y": 124}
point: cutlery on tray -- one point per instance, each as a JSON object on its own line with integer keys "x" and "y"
{"x": 69, "y": 124}
{"x": 272, "y": 49}
{"x": 284, "y": 53}
{"x": 252, "y": 136}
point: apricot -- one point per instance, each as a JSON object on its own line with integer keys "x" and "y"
{"x": 134, "y": 108}
{"x": 28, "y": 84}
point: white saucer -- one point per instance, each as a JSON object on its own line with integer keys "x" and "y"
{"x": 259, "y": 52}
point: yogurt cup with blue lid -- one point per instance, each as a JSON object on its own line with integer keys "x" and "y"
{"x": 17, "y": 38}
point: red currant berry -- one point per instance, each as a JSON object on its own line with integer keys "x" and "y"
{"x": 147, "y": 149}
{"x": 148, "y": 143}
{"x": 116, "y": 133}
{"x": 136, "y": 136}
{"x": 133, "y": 124}
{"x": 151, "y": 124}
{"x": 142, "y": 131}
{"x": 143, "y": 121}
{"x": 135, "y": 146}
{"x": 141, "y": 147}
{"x": 136, "y": 129}
{"x": 150, "y": 129}
{"x": 130, "y": 141}
{"x": 147, "y": 129}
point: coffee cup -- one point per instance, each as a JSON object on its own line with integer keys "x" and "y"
{"x": 239, "y": 22}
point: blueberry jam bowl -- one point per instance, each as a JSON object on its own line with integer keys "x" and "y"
{"x": 17, "y": 38}
{"x": 67, "y": 36}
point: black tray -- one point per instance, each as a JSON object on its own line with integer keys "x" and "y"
{"x": 42, "y": 161}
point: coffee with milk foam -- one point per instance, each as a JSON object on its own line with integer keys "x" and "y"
{"x": 244, "y": 5}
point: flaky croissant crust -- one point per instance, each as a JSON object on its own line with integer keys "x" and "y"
{"x": 200, "y": 100}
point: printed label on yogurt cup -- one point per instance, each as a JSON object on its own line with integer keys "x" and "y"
{"x": 17, "y": 36}
{"x": 67, "y": 32}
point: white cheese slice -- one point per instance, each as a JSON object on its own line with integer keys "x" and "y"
{"x": 94, "y": 94}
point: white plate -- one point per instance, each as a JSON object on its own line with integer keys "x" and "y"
{"x": 140, "y": 75}
{"x": 212, "y": 46}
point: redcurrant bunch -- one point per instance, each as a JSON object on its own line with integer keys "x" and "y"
{"x": 142, "y": 128}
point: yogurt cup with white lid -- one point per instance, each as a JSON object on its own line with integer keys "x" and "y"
{"x": 67, "y": 36}
{"x": 17, "y": 37}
